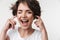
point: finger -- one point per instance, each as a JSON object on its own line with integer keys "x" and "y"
{"x": 38, "y": 17}
{"x": 13, "y": 17}
{"x": 14, "y": 20}
{"x": 36, "y": 23}
{"x": 12, "y": 23}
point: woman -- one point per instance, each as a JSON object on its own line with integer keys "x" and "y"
{"x": 25, "y": 11}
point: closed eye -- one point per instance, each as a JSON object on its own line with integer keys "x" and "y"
{"x": 29, "y": 12}
{"x": 19, "y": 12}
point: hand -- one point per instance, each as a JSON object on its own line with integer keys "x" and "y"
{"x": 9, "y": 24}
{"x": 39, "y": 23}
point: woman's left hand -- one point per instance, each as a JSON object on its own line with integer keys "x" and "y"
{"x": 41, "y": 26}
{"x": 39, "y": 23}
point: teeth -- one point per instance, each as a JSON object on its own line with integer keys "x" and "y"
{"x": 24, "y": 20}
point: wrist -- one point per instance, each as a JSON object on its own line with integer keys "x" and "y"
{"x": 44, "y": 34}
{"x": 4, "y": 30}
{"x": 42, "y": 29}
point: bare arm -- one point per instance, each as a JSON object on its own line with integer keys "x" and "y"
{"x": 7, "y": 38}
{"x": 3, "y": 33}
{"x": 44, "y": 34}
{"x": 42, "y": 28}
{"x": 4, "y": 36}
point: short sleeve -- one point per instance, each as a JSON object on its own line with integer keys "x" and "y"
{"x": 11, "y": 33}
{"x": 38, "y": 35}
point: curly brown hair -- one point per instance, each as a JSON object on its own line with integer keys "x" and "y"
{"x": 32, "y": 4}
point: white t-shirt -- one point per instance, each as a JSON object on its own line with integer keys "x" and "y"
{"x": 14, "y": 35}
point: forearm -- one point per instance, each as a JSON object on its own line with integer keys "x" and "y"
{"x": 44, "y": 34}
{"x": 3, "y": 35}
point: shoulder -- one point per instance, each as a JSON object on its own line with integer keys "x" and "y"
{"x": 37, "y": 31}
{"x": 37, "y": 35}
{"x": 11, "y": 32}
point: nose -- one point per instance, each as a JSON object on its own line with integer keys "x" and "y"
{"x": 23, "y": 15}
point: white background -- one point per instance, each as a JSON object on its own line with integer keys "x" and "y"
{"x": 50, "y": 16}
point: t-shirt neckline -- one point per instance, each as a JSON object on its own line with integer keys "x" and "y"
{"x": 27, "y": 37}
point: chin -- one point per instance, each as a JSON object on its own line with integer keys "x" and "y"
{"x": 25, "y": 27}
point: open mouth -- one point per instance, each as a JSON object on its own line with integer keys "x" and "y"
{"x": 24, "y": 22}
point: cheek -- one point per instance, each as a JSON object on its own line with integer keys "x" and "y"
{"x": 31, "y": 17}
{"x": 18, "y": 16}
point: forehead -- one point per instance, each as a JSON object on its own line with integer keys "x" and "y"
{"x": 23, "y": 6}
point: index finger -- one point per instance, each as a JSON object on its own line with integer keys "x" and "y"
{"x": 38, "y": 17}
{"x": 13, "y": 17}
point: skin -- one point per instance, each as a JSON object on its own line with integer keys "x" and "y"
{"x": 24, "y": 12}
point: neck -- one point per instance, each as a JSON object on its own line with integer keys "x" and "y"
{"x": 25, "y": 32}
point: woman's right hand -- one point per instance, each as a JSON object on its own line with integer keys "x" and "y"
{"x": 9, "y": 24}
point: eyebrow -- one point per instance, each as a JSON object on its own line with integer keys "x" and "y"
{"x": 21, "y": 10}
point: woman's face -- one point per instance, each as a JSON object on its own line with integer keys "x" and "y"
{"x": 25, "y": 16}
